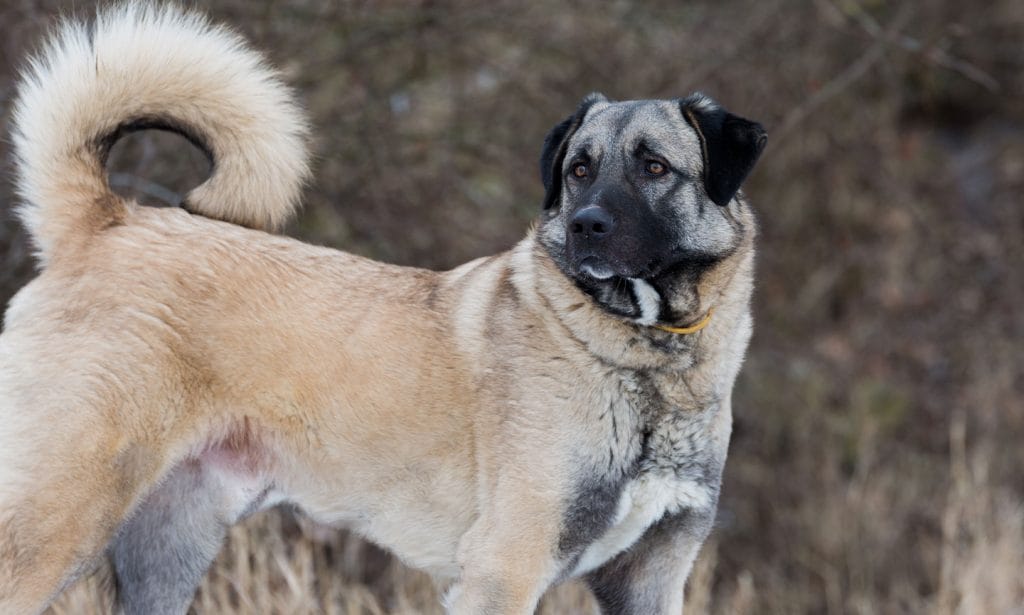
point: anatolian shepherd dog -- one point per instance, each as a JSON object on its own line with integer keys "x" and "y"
{"x": 560, "y": 410}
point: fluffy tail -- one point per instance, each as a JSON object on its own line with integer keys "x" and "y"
{"x": 147, "y": 66}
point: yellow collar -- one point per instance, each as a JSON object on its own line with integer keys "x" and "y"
{"x": 692, "y": 328}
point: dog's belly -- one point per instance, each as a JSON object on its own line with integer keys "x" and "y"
{"x": 424, "y": 534}
{"x": 643, "y": 502}
{"x": 421, "y": 539}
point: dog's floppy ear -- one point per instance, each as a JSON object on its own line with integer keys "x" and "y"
{"x": 555, "y": 144}
{"x": 731, "y": 145}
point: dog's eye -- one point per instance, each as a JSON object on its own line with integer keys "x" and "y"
{"x": 580, "y": 170}
{"x": 653, "y": 167}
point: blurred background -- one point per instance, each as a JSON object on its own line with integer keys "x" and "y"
{"x": 876, "y": 464}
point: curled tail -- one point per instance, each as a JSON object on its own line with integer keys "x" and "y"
{"x": 142, "y": 65}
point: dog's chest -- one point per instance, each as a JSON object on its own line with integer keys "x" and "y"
{"x": 673, "y": 470}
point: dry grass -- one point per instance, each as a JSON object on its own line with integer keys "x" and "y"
{"x": 875, "y": 465}
{"x": 278, "y": 563}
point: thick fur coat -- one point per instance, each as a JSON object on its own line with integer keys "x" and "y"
{"x": 517, "y": 421}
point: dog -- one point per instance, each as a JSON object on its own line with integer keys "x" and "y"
{"x": 561, "y": 410}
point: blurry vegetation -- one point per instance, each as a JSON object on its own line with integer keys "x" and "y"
{"x": 876, "y": 458}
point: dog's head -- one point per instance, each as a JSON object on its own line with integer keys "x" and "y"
{"x": 641, "y": 199}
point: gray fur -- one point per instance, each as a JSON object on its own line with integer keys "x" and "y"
{"x": 665, "y": 426}
{"x": 163, "y": 551}
{"x": 644, "y": 578}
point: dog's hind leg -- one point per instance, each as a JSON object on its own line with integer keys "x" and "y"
{"x": 80, "y": 450}
{"x": 60, "y": 504}
{"x": 67, "y": 479}
{"x": 59, "y": 511}
{"x": 162, "y": 552}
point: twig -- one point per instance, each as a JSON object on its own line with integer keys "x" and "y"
{"x": 151, "y": 189}
{"x": 845, "y": 79}
{"x": 883, "y": 38}
{"x": 931, "y": 53}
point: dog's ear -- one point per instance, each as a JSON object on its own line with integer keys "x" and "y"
{"x": 555, "y": 144}
{"x": 731, "y": 145}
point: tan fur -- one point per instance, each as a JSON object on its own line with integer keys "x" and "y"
{"x": 87, "y": 82}
{"x": 430, "y": 412}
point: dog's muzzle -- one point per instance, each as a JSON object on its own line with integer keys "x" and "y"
{"x": 589, "y": 229}
{"x": 593, "y": 222}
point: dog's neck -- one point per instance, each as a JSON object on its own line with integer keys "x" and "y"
{"x": 622, "y": 344}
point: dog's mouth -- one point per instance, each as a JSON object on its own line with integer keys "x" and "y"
{"x": 651, "y": 291}
{"x": 597, "y": 268}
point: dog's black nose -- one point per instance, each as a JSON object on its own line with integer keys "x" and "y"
{"x": 594, "y": 220}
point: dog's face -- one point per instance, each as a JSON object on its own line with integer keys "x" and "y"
{"x": 640, "y": 198}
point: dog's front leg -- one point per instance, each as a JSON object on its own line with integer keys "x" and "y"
{"x": 509, "y": 582}
{"x": 509, "y": 557}
{"x": 650, "y": 576}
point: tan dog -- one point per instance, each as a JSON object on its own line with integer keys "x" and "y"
{"x": 556, "y": 411}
